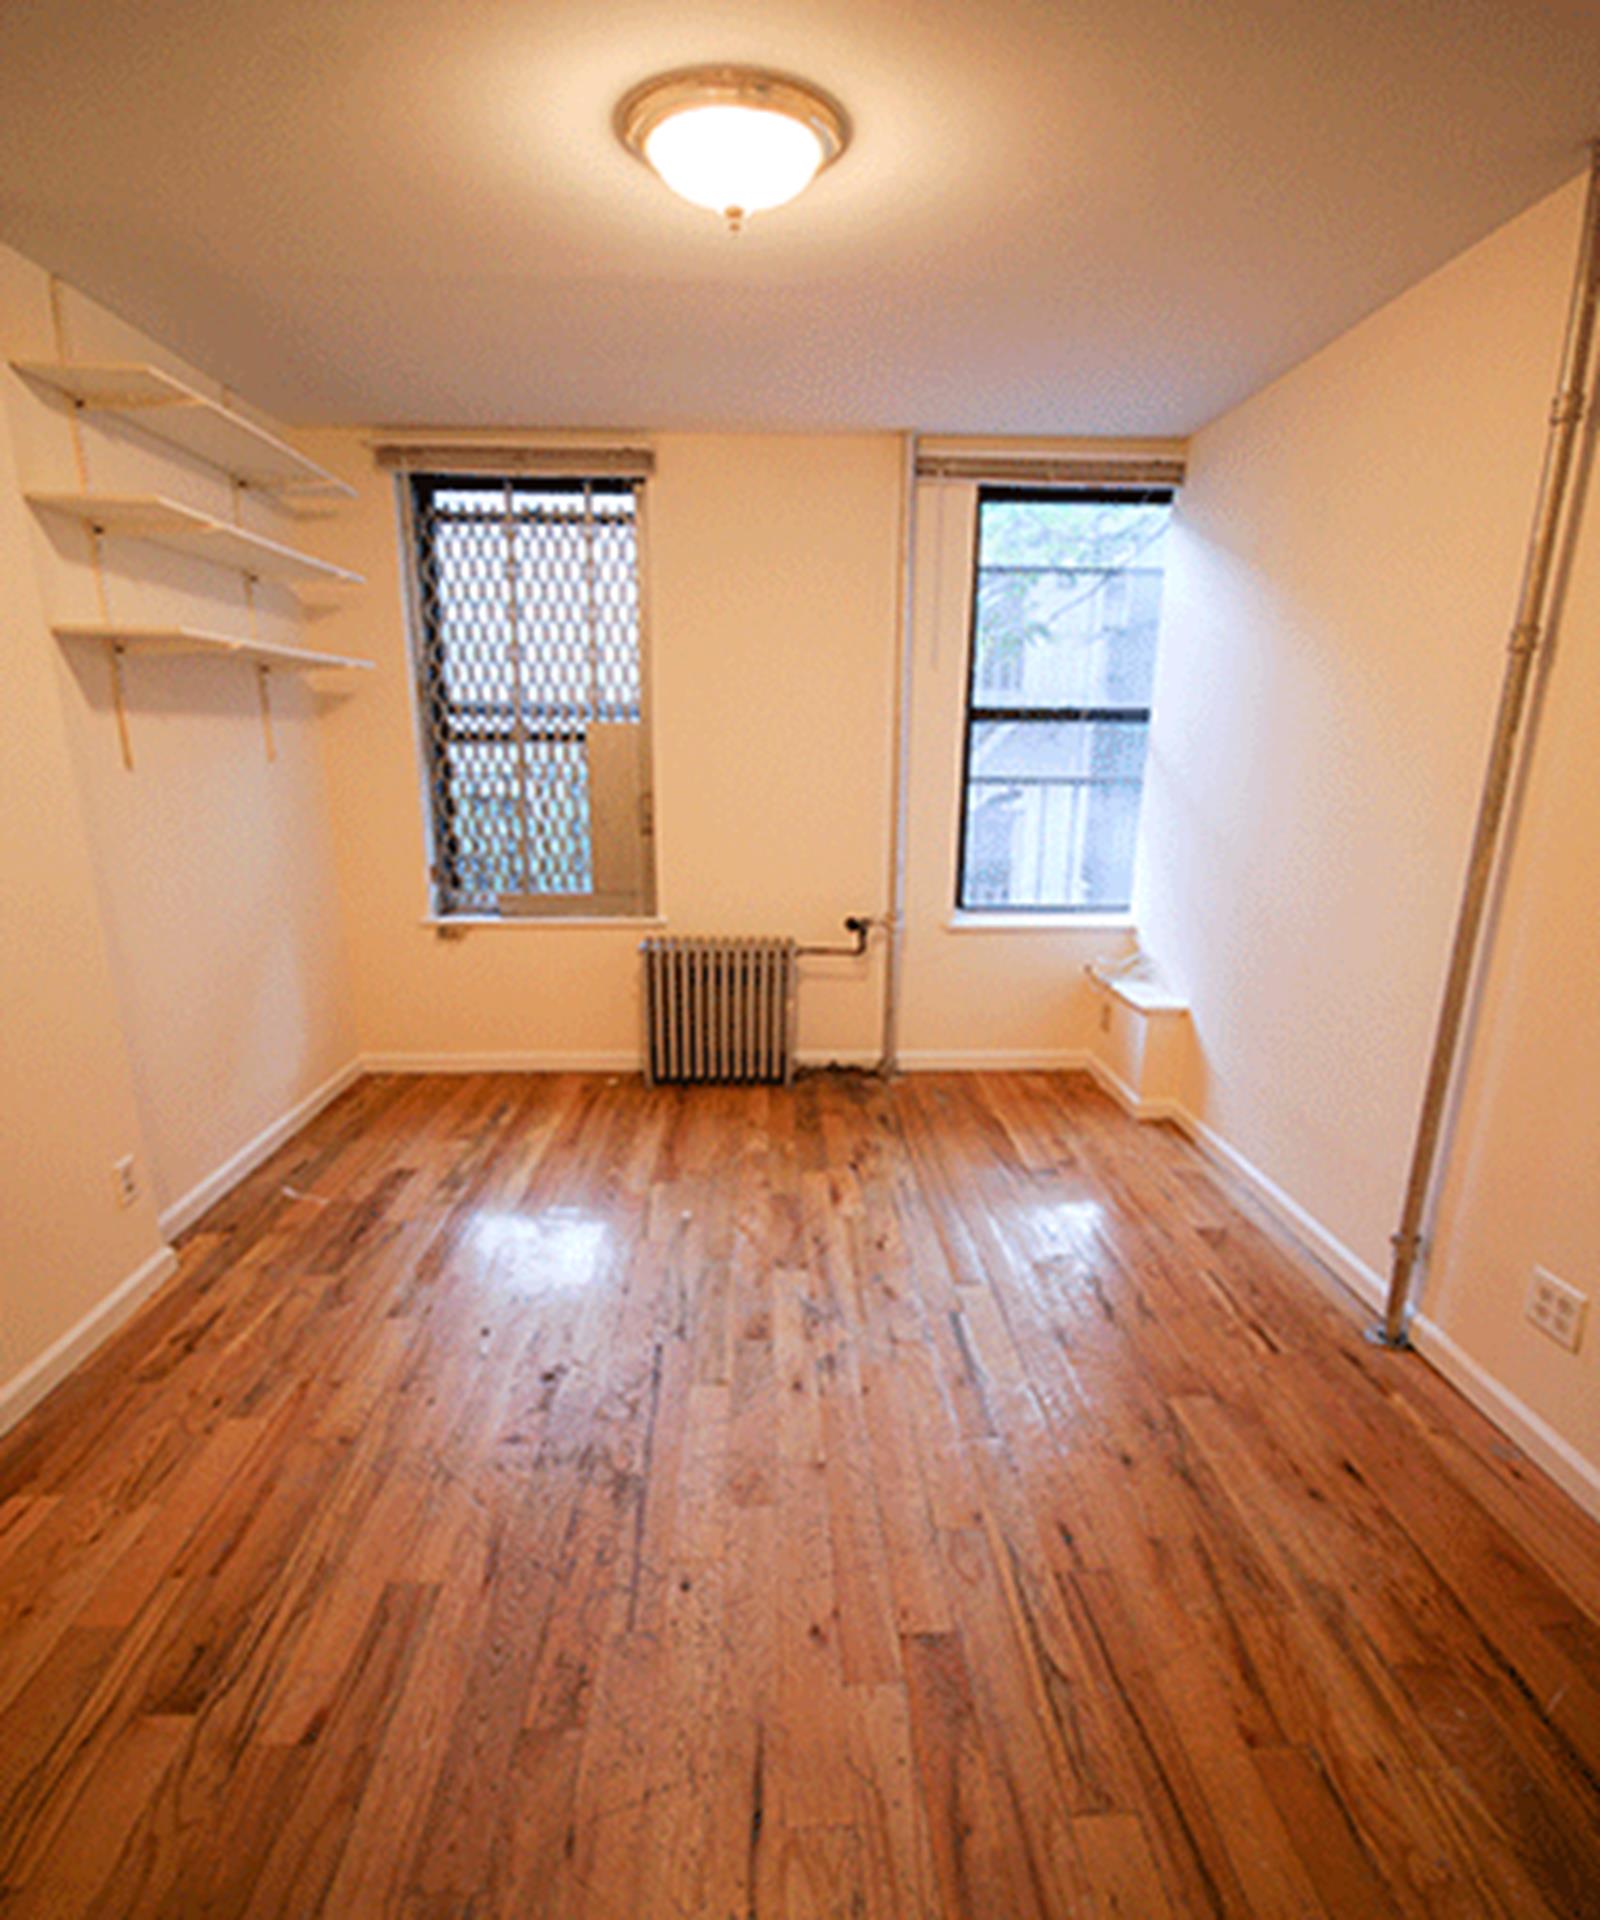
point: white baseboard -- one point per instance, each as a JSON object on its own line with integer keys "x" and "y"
{"x": 499, "y": 1063}
{"x": 1126, "y": 1098}
{"x": 24, "y": 1390}
{"x": 200, "y": 1198}
{"x": 1352, "y": 1272}
{"x": 1329, "y": 1257}
{"x": 1575, "y": 1475}
{"x": 993, "y": 1060}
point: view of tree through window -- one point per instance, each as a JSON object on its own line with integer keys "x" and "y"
{"x": 1066, "y": 607}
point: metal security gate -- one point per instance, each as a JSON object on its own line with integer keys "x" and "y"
{"x": 531, "y": 684}
{"x": 719, "y": 1010}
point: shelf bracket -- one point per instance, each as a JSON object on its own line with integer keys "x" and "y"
{"x": 262, "y": 674}
{"x": 119, "y": 705}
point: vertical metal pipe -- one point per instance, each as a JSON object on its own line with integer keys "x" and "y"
{"x": 1527, "y": 635}
{"x": 894, "y": 926}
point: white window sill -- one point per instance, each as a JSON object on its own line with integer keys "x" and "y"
{"x": 466, "y": 922}
{"x": 1039, "y": 923}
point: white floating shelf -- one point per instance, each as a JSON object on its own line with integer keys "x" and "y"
{"x": 151, "y": 516}
{"x": 151, "y": 639}
{"x": 171, "y": 410}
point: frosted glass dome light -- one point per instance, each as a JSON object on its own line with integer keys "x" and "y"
{"x": 732, "y": 139}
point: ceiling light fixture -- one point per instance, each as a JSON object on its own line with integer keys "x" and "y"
{"x": 735, "y": 139}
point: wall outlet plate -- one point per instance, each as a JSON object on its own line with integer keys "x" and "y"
{"x": 125, "y": 1181}
{"x": 1557, "y": 1309}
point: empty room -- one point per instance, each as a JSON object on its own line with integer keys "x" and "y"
{"x": 798, "y": 967}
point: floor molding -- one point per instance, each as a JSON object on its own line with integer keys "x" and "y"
{"x": 507, "y": 1062}
{"x": 1352, "y": 1272}
{"x": 993, "y": 1060}
{"x": 1126, "y": 1098}
{"x": 1576, "y": 1476}
{"x": 205, "y": 1195}
{"x": 23, "y": 1391}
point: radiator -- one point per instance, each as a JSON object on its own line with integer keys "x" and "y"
{"x": 719, "y": 1010}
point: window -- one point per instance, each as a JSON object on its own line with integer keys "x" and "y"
{"x": 1065, "y": 607}
{"x": 531, "y": 694}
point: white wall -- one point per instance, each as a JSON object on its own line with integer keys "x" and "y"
{"x": 213, "y": 862}
{"x": 174, "y": 980}
{"x": 1340, "y": 590}
{"x": 772, "y": 582}
{"x": 67, "y": 1108}
{"x": 770, "y": 574}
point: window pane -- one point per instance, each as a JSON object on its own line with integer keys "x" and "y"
{"x": 532, "y": 684}
{"x": 1052, "y": 811}
{"x": 1068, "y": 602}
{"x": 1066, "y": 610}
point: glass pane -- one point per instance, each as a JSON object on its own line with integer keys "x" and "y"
{"x": 1052, "y": 813}
{"x": 1068, "y": 602}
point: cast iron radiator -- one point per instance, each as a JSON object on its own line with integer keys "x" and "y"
{"x": 719, "y": 1009}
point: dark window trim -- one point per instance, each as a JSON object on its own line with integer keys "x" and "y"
{"x": 972, "y": 715}
{"x": 496, "y": 483}
{"x": 1088, "y": 496}
{"x": 1109, "y": 714}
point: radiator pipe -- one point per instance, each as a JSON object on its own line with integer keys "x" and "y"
{"x": 1528, "y": 634}
{"x": 899, "y": 798}
{"x": 859, "y": 926}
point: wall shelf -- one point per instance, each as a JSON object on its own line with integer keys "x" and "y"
{"x": 199, "y": 640}
{"x": 151, "y": 516}
{"x": 169, "y": 409}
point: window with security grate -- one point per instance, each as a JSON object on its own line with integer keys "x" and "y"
{"x": 531, "y": 694}
{"x": 1066, "y": 603}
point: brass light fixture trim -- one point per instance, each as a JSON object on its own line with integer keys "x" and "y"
{"x": 649, "y": 106}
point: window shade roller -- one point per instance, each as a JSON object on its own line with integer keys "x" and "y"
{"x": 550, "y": 463}
{"x": 1055, "y": 470}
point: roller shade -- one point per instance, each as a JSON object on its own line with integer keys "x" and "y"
{"x": 553, "y": 463}
{"x": 1159, "y": 463}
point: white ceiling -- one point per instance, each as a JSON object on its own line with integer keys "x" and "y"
{"x": 1057, "y": 216}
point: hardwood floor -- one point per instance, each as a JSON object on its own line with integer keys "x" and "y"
{"x": 542, "y": 1496}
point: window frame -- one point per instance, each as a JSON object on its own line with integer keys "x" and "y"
{"x": 972, "y": 716}
{"x": 445, "y": 905}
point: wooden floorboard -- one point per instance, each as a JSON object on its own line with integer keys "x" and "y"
{"x": 546, "y": 1496}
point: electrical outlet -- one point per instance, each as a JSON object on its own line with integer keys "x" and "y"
{"x": 124, "y": 1181}
{"x": 1557, "y": 1309}
{"x": 1105, "y": 1016}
